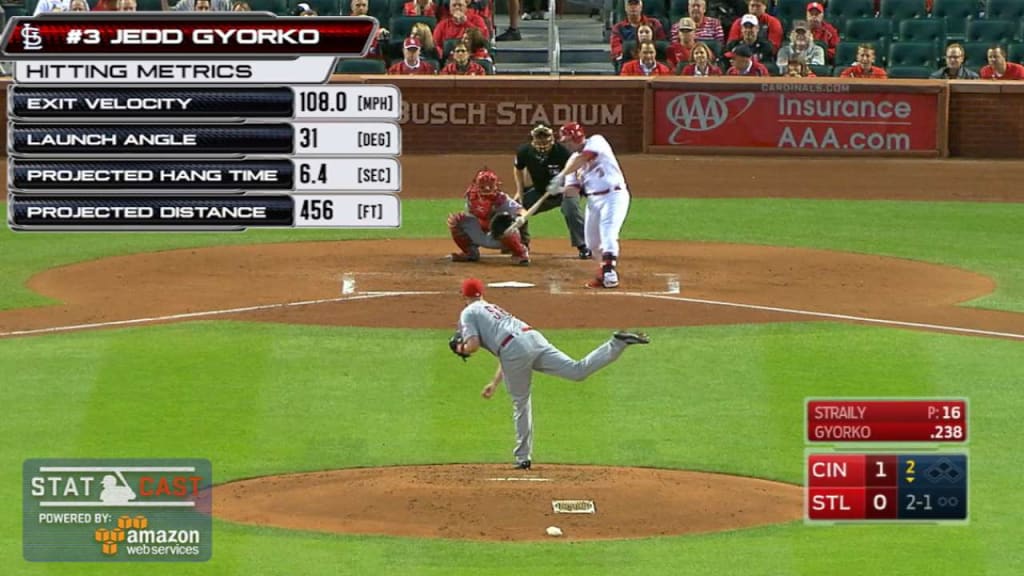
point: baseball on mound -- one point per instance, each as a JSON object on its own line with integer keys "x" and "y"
{"x": 554, "y": 531}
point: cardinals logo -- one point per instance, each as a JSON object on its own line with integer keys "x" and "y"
{"x": 31, "y": 38}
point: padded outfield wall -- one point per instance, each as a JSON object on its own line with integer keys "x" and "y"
{"x": 816, "y": 116}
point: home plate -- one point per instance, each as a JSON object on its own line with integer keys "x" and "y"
{"x": 511, "y": 284}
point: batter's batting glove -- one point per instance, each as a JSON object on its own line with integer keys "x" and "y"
{"x": 554, "y": 188}
{"x": 455, "y": 342}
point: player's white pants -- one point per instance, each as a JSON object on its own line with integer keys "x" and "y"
{"x": 604, "y": 219}
{"x": 530, "y": 351}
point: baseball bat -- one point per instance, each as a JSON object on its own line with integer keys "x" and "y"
{"x": 533, "y": 210}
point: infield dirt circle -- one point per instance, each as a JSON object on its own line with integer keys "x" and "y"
{"x": 408, "y": 283}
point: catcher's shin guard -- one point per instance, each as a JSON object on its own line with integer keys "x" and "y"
{"x": 513, "y": 242}
{"x": 470, "y": 253}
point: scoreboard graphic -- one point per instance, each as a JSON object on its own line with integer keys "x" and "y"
{"x": 205, "y": 121}
{"x": 872, "y": 460}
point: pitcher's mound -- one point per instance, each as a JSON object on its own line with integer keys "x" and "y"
{"x": 493, "y": 502}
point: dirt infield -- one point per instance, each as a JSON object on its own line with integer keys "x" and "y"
{"x": 409, "y": 284}
{"x": 490, "y": 502}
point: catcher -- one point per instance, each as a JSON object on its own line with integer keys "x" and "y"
{"x": 491, "y": 220}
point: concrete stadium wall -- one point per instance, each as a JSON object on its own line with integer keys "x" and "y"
{"x": 493, "y": 114}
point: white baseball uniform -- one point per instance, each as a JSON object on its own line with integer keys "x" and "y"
{"x": 521, "y": 350}
{"x": 607, "y": 201}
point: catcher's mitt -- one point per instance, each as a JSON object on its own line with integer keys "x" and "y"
{"x": 454, "y": 343}
{"x": 501, "y": 222}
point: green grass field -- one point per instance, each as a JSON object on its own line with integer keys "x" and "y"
{"x": 258, "y": 399}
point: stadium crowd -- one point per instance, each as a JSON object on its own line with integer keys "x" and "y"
{"x": 953, "y": 39}
{"x": 956, "y": 39}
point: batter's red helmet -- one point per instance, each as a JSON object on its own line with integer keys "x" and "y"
{"x": 572, "y": 131}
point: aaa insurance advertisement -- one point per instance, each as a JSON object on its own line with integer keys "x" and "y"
{"x": 826, "y": 117}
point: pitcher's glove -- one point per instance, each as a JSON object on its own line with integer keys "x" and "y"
{"x": 454, "y": 342}
{"x": 501, "y": 222}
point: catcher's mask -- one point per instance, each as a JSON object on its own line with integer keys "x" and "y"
{"x": 542, "y": 137}
{"x": 486, "y": 181}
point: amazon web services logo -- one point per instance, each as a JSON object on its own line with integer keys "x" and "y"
{"x": 704, "y": 111}
{"x": 117, "y": 510}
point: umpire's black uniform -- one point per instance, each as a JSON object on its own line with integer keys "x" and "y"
{"x": 543, "y": 166}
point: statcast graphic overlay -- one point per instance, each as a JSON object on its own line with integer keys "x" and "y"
{"x": 208, "y": 121}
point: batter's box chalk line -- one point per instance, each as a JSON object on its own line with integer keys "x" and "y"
{"x": 671, "y": 282}
{"x": 573, "y": 506}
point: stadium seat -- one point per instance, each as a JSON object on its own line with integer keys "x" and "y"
{"x": 924, "y": 30}
{"x": 12, "y": 10}
{"x": 991, "y": 31}
{"x": 838, "y": 70}
{"x": 956, "y": 13}
{"x": 487, "y": 64}
{"x": 914, "y": 54}
{"x": 401, "y": 26}
{"x": 910, "y": 71}
{"x": 157, "y": 6}
{"x": 898, "y": 10}
{"x": 276, "y": 6}
{"x": 397, "y": 7}
{"x": 716, "y": 47}
{"x": 820, "y": 70}
{"x": 846, "y": 53}
{"x": 976, "y": 54}
{"x": 379, "y": 9}
{"x": 654, "y": 8}
{"x": 837, "y": 12}
{"x": 324, "y": 7}
{"x": 360, "y": 66}
{"x": 679, "y": 9}
{"x": 789, "y": 10}
{"x": 661, "y": 48}
{"x": 868, "y": 30}
{"x": 1005, "y": 10}
{"x": 1015, "y": 53}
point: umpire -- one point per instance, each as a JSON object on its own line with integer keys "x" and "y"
{"x": 544, "y": 158}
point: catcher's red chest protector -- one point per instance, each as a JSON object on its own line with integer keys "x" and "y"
{"x": 481, "y": 206}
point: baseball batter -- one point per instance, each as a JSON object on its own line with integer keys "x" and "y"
{"x": 470, "y": 229}
{"x": 542, "y": 158}
{"x": 521, "y": 350}
{"x": 594, "y": 170}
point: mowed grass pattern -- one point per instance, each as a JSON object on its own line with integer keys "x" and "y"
{"x": 261, "y": 398}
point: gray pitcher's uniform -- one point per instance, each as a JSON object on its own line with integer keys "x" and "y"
{"x": 521, "y": 350}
